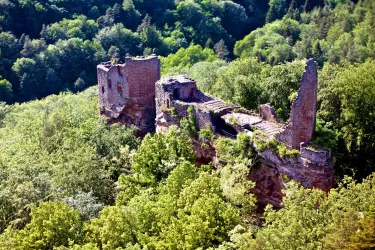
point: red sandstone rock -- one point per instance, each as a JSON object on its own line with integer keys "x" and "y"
{"x": 268, "y": 186}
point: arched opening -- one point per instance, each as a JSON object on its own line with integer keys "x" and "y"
{"x": 103, "y": 90}
{"x": 109, "y": 83}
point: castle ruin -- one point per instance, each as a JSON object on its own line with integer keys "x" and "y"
{"x": 177, "y": 93}
{"x": 301, "y": 125}
{"x": 127, "y": 91}
{"x": 152, "y": 104}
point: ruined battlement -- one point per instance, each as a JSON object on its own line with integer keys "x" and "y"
{"x": 299, "y": 128}
{"x": 309, "y": 165}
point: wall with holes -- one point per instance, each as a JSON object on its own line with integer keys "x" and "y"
{"x": 127, "y": 91}
{"x": 112, "y": 85}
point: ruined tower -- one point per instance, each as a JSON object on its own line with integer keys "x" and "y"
{"x": 127, "y": 91}
{"x": 301, "y": 125}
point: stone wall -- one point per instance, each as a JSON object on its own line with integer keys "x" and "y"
{"x": 178, "y": 88}
{"x": 203, "y": 118}
{"x": 127, "y": 92}
{"x": 178, "y": 93}
{"x": 317, "y": 156}
{"x": 113, "y": 87}
{"x": 268, "y": 176}
{"x": 301, "y": 125}
{"x": 181, "y": 108}
{"x": 141, "y": 75}
{"x": 202, "y": 96}
{"x": 267, "y": 112}
{"x": 310, "y": 174}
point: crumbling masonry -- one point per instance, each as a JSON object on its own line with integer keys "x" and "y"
{"x": 127, "y": 91}
{"x": 145, "y": 98}
{"x": 300, "y": 127}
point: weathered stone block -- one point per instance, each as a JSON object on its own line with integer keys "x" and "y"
{"x": 267, "y": 112}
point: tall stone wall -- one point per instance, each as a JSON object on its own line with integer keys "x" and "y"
{"x": 127, "y": 91}
{"x": 301, "y": 125}
{"x": 141, "y": 75}
{"x": 112, "y": 86}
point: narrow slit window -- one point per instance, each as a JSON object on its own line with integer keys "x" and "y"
{"x": 176, "y": 94}
{"x": 191, "y": 93}
{"x": 103, "y": 90}
{"x": 109, "y": 83}
{"x": 119, "y": 89}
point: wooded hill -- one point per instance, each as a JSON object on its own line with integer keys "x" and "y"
{"x": 71, "y": 181}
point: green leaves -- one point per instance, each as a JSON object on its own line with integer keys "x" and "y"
{"x": 236, "y": 184}
{"x": 52, "y": 224}
{"x": 302, "y": 221}
{"x": 313, "y": 220}
{"x": 114, "y": 228}
{"x": 347, "y": 107}
{"x": 6, "y": 91}
{"x": 160, "y": 153}
{"x": 203, "y": 217}
{"x": 57, "y": 148}
{"x": 185, "y": 58}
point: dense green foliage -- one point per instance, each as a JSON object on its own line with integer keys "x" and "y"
{"x": 339, "y": 31}
{"x": 68, "y": 180}
{"x": 64, "y": 154}
{"x": 56, "y": 149}
{"x": 47, "y": 46}
{"x": 313, "y": 220}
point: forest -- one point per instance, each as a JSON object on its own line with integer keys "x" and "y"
{"x": 70, "y": 180}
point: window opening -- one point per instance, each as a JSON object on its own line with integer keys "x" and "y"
{"x": 119, "y": 89}
{"x": 176, "y": 93}
{"x": 191, "y": 93}
{"x": 168, "y": 104}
